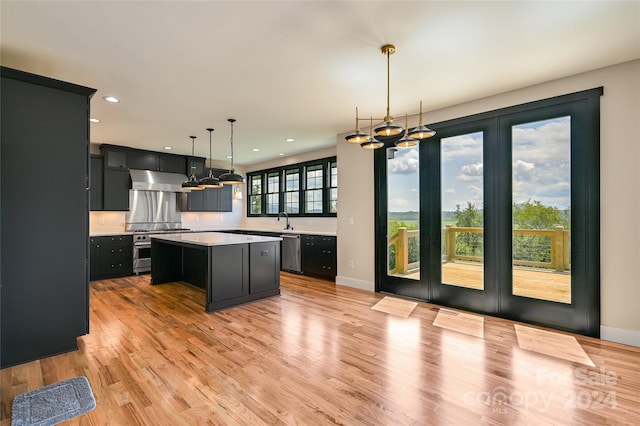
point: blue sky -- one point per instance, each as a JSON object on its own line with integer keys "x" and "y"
{"x": 540, "y": 164}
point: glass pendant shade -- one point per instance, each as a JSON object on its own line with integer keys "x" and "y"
{"x": 357, "y": 136}
{"x": 406, "y": 141}
{"x": 192, "y": 183}
{"x": 371, "y": 142}
{"x": 210, "y": 181}
{"x": 388, "y": 128}
{"x": 421, "y": 131}
{"x": 231, "y": 177}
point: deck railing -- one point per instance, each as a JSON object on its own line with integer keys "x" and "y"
{"x": 399, "y": 244}
{"x": 541, "y": 248}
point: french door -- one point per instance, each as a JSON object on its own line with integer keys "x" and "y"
{"x": 498, "y": 214}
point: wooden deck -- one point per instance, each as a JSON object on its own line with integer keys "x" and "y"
{"x": 527, "y": 282}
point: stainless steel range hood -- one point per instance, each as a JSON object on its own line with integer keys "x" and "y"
{"x": 149, "y": 180}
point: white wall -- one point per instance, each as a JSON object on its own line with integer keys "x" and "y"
{"x": 620, "y": 191}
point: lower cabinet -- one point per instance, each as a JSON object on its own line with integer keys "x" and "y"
{"x": 264, "y": 259}
{"x": 319, "y": 256}
{"x": 111, "y": 256}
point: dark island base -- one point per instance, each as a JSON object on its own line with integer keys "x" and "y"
{"x": 232, "y": 274}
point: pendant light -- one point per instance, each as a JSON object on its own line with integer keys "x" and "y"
{"x": 231, "y": 178}
{"x": 371, "y": 142}
{"x": 406, "y": 141}
{"x": 422, "y": 131}
{"x": 210, "y": 181}
{"x": 388, "y": 130}
{"x": 357, "y": 136}
{"x": 192, "y": 183}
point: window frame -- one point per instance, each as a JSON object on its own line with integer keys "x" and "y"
{"x": 326, "y": 164}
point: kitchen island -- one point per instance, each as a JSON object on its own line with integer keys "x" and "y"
{"x": 232, "y": 268}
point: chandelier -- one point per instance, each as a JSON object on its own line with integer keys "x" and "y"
{"x": 388, "y": 128}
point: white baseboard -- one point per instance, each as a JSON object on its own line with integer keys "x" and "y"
{"x": 620, "y": 335}
{"x": 359, "y": 284}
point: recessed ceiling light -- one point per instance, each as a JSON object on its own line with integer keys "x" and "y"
{"x": 228, "y": 156}
{"x": 111, "y": 99}
{"x": 167, "y": 148}
{"x": 94, "y": 120}
{"x": 289, "y": 140}
{"x": 255, "y": 149}
{"x": 282, "y": 153}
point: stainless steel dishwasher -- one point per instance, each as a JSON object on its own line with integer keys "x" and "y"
{"x": 291, "y": 255}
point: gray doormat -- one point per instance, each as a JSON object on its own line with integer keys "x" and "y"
{"x": 53, "y": 404}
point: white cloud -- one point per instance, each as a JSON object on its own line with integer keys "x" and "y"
{"x": 406, "y": 161}
{"x": 470, "y": 173}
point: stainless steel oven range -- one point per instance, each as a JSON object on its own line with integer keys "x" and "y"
{"x": 142, "y": 248}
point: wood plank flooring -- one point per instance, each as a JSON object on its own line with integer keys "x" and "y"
{"x": 319, "y": 355}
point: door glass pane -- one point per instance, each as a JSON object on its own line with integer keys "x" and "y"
{"x": 462, "y": 214}
{"x": 403, "y": 226}
{"x": 541, "y": 213}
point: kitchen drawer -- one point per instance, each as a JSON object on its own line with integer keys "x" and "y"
{"x": 111, "y": 256}
{"x": 319, "y": 256}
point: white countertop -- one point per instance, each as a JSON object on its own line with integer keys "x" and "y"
{"x": 108, "y": 233}
{"x": 208, "y": 239}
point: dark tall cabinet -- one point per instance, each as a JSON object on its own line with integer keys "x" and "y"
{"x": 44, "y": 216}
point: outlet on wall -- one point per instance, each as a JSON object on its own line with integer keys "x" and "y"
{"x": 102, "y": 221}
{"x": 352, "y": 264}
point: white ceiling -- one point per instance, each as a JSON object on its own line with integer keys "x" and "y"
{"x": 298, "y": 69}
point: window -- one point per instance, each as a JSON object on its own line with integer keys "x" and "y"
{"x": 333, "y": 187}
{"x": 255, "y": 195}
{"x": 273, "y": 193}
{"x": 313, "y": 191}
{"x": 303, "y": 189}
{"x": 292, "y": 191}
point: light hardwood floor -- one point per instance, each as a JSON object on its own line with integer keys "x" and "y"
{"x": 317, "y": 355}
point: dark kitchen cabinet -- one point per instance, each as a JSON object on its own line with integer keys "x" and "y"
{"x": 114, "y": 158}
{"x": 95, "y": 258}
{"x": 264, "y": 259}
{"x": 142, "y": 160}
{"x": 117, "y": 183}
{"x": 172, "y": 163}
{"x": 111, "y": 256}
{"x": 210, "y": 199}
{"x": 96, "y": 183}
{"x": 196, "y": 166}
{"x": 45, "y": 286}
{"x": 319, "y": 256}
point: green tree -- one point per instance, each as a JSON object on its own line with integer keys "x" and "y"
{"x": 535, "y": 215}
{"x": 468, "y": 243}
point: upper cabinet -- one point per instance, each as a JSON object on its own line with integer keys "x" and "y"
{"x": 195, "y": 166}
{"x": 210, "y": 199}
{"x": 116, "y": 182}
{"x": 171, "y": 163}
{"x": 96, "y": 183}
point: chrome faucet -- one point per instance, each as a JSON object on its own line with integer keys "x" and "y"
{"x": 287, "y": 216}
